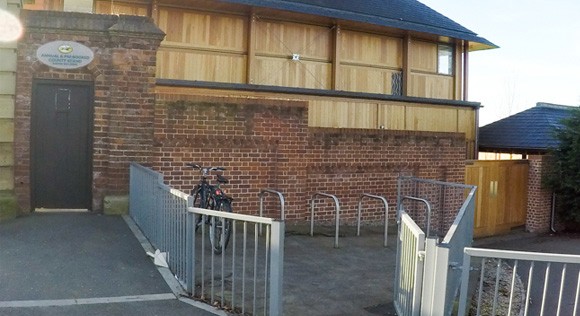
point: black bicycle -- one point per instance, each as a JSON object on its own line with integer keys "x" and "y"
{"x": 213, "y": 197}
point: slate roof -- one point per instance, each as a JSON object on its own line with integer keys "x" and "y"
{"x": 402, "y": 14}
{"x": 525, "y": 132}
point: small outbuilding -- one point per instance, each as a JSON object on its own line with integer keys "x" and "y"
{"x": 529, "y": 133}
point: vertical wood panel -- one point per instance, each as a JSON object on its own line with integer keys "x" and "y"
{"x": 343, "y": 114}
{"x": 191, "y": 65}
{"x": 391, "y": 116}
{"x": 371, "y": 49}
{"x": 466, "y": 122}
{"x": 423, "y": 56}
{"x": 203, "y": 30}
{"x": 501, "y": 195}
{"x": 285, "y": 38}
{"x": 289, "y": 73}
{"x": 366, "y": 79}
{"x": 111, "y": 7}
{"x": 336, "y": 74}
{"x": 432, "y": 119}
{"x": 431, "y": 86}
{"x": 251, "y": 49}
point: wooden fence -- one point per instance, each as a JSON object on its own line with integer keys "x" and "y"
{"x": 501, "y": 196}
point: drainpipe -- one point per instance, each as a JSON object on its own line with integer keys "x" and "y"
{"x": 553, "y": 215}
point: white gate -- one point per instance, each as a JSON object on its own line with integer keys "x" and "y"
{"x": 428, "y": 274}
{"x": 409, "y": 268}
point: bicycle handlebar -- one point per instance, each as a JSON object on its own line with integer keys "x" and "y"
{"x": 196, "y": 166}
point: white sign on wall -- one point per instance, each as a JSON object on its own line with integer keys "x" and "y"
{"x": 64, "y": 54}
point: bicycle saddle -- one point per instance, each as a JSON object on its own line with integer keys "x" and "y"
{"x": 222, "y": 179}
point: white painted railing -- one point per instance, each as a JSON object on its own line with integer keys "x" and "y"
{"x": 549, "y": 284}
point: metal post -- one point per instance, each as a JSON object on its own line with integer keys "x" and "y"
{"x": 282, "y": 203}
{"x": 386, "y": 214}
{"x": 427, "y": 210}
{"x": 337, "y": 215}
{"x": 464, "y": 284}
{"x": 189, "y": 263}
{"x": 276, "y": 268}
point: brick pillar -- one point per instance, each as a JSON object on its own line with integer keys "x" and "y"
{"x": 539, "y": 199}
{"x": 123, "y": 75}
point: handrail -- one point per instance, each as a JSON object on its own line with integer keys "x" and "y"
{"x": 337, "y": 216}
{"x": 428, "y": 210}
{"x": 376, "y": 197}
{"x": 282, "y": 203}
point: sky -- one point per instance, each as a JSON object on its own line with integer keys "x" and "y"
{"x": 538, "y": 59}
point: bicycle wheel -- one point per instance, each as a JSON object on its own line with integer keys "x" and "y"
{"x": 220, "y": 229}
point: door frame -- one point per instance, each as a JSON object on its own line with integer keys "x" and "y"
{"x": 90, "y": 137}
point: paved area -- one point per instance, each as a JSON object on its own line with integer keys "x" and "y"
{"x": 80, "y": 264}
{"x": 355, "y": 279}
{"x": 88, "y": 264}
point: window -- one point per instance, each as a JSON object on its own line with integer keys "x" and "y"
{"x": 445, "y": 59}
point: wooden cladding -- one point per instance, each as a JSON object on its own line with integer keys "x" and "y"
{"x": 242, "y": 47}
{"x": 502, "y": 191}
{"x": 391, "y": 115}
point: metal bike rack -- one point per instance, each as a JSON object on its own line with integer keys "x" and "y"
{"x": 337, "y": 216}
{"x": 427, "y": 210}
{"x": 282, "y": 203}
{"x": 376, "y": 197}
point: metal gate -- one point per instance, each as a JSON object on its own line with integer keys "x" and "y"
{"x": 427, "y": 275}
{"x": 409, "y": 268}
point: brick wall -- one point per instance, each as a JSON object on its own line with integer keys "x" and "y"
{"x": 268, "y": 144}
{"x": 539, "y": 200}
{"x": 123, "y": 74}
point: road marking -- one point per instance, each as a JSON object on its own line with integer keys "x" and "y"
{"x": 89, "y": 301}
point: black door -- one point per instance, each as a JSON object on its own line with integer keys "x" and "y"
{"x": 61, "y": 138}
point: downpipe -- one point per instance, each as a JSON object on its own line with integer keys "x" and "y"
{"x": 553, "y": 214}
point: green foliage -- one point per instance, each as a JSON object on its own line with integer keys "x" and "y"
{"x": 563, "y": 168}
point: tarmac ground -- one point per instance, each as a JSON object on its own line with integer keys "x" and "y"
{"x": 90, "y": 264}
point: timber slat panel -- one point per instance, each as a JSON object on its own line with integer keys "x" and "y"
{"x": 289, "y": 73}
{"x": 366, "y": 79}
{"x": 286, "y": 38}
{"x": 431, "y": 86}
{"x": 371, "y": 49}
{"x": 501, "y": 194}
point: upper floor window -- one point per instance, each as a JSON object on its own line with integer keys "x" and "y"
{"x": 444, "y": 59}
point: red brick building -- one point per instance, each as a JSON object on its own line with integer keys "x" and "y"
{"x": 353, "y": 104}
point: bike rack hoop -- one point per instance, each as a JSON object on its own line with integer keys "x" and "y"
{"x": 376, "y": 197}
{"x": 280, "y": 197}
{"x": 336, "y": 217}
{"x": 262, "y": 194}
{"x": 427, "y": 210}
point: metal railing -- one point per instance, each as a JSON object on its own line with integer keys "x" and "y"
{"x": 551, "y": 290}
{"x": 376, "y": 197}
{"x": 242, "y": 278}
{"x": 336, "y": 217}
{"x": 247, "y": 275}
{"x": 452, "y": 209}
